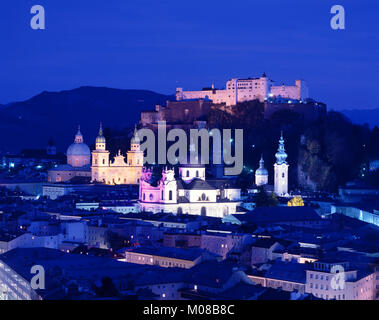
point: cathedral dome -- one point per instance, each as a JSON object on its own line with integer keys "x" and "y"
{"x": 78, "y": 149}
{"x": 78, "y": 154}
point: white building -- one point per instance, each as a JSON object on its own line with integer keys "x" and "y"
{"x": 28, "y": 240}
{"x": 190, "y": 194}
{"x": 352, "y": 284}
{"x": 240, "y": 90}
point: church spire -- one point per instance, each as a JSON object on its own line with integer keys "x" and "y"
{"x": 135, "y": 139}
{"x": 101, "y": 129}
{"x": 100, "y": 140}
{"x": 281, "y": 155}
{"x": 261, "y": 162}
{"x": 79, "y": 136}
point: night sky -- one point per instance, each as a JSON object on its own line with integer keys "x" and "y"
{"x": 159, "y": 45}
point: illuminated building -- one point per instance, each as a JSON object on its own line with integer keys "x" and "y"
{"x": 118, "y": 171}
{"x": 335, "y": 280}
{"x": 240, "y": 90}
{"x": 78, "y": 162}
{"x": 191, "y": 193}
{"x": 281, "y": 170}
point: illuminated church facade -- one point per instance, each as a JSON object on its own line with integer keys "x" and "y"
{"x": 190, "y": 193}
{"x": 122, "y": 170}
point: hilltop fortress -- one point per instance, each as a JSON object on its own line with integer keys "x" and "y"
{"x": 191, "y": 108}
{"x": 240, "y": 90}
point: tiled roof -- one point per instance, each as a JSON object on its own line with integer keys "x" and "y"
{"x": 195, "y": 184}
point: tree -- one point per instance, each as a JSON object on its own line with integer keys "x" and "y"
{"x": 263, "y": 199}
{"x": 107, "y": 289}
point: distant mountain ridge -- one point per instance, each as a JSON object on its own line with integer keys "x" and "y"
{"x": 56, "y": 115}
{"x": 369, "y": 116}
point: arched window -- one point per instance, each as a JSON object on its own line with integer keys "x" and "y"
{"x": 283, "y": 175}
{"x": 187, "y": 173}
{"x": 162, "y": 197}
{"x": 197, "y": 173}
{"x": 151, "y": 197}
{"x": 180, "y": 210}
{"x": 170, "y": 195}
{"x": 144, "y": 197}
{"x": 95, "y": 161}
{"x": 203, "y": 211}
{"x": 103, "y": 161}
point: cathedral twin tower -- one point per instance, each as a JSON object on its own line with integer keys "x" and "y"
{"x": 118, "y": 171}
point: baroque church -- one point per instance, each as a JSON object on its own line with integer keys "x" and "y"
{"x": 117, "y": 172}
{"x": 190, "y": 193}
{"x": 101, "y": 169}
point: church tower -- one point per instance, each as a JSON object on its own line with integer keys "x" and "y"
{"x": 261, "y": 174}
{"x": 168, "y": 186}
{"x": 281, "y": 170}
{"x": 100, "y": 158}
{"x": 135, "y": 155}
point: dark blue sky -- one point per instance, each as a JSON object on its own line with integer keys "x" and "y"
{"x": 160, "y": 45}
